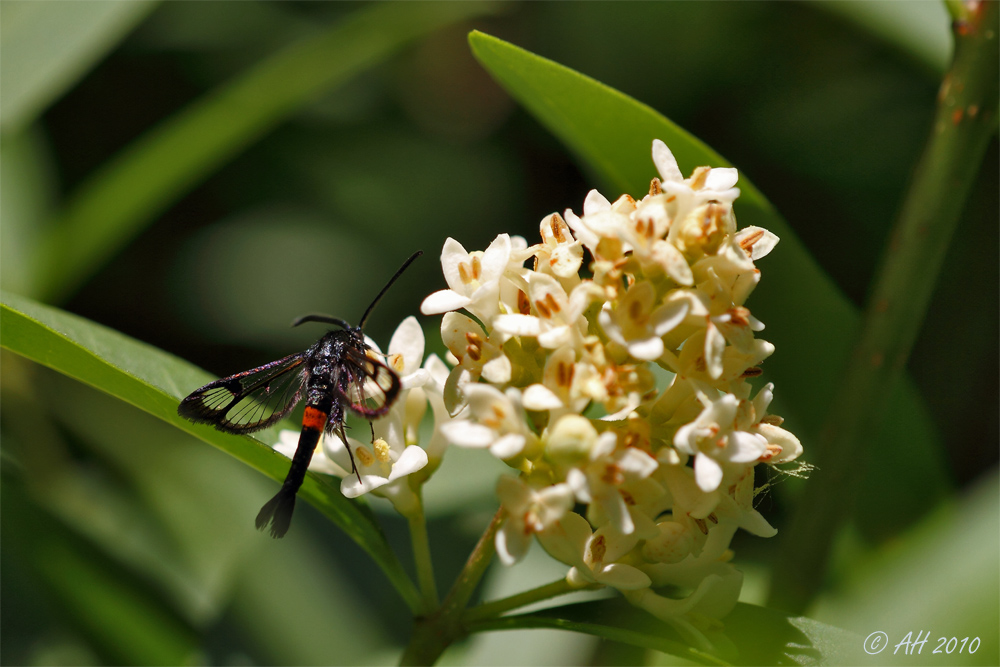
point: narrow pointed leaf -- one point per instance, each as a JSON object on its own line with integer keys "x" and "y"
{"x": 127, "y": 193}
{"x": 751, "y": 635}
{"x": 46, "y": 47}
{"x": 155, "y": 381}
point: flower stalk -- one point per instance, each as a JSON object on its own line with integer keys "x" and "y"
{"x": 422, "y": 559}
{"x": 964, "y": 124}
{"x": 436, "y": 632}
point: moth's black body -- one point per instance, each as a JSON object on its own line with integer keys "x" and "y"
{"x": 334, "y": 375}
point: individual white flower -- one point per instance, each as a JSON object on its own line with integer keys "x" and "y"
{"x": 603, "y": 218}
{"x": 559, "y": 253}
{"x": 473, "y": 279}
{"x": 600, "y": 480}
{"x": 756, "y": 241}
{"x": 645, "y": 499}
{"x": 714, "y": 440}
{"x": 560, "y": 387}
{"x": 592, "y": 555}
{"x": 645, "y": 235}
{"x": 705, "y": 357}
{"x": 704, "y": 185}
{"x": 496, "y": 421}
{"x": 529, "y": 512}
{"x": 381, "y": 462}
{"x": 638, "y": 322}
{"x": 728, "y": 277}
{"x": 782, "y": 445}
{"x": 477, "y": 353}
{"x": 558, "y": 318}
{"x": 692, "y": 504}
{"x": 704, "y": 230}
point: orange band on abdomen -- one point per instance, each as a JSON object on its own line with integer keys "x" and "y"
{"x": 314, "y": 419}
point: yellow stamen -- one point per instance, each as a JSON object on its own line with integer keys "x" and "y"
{"x": 382, "y": 450}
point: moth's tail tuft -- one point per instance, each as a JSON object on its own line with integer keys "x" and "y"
{"x": 277, "y": 512}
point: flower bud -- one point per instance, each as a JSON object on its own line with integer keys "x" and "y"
{"x": 570, "y": 440}
{"x": 672, "y": 545}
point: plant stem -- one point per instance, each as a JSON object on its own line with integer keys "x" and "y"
{"x": 497, "y": 607}
{"x": 964, "y": 124}
{"x": 436, "y": 632}
{"x": 422, "y": 560}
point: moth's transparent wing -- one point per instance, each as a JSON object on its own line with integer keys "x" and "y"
{"x": 251, "y": 400}
{"x": 372, "y": 386}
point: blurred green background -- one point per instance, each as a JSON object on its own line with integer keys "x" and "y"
{"x": 124, "y": 541}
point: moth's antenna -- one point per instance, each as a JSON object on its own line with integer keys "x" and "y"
{"x": 385, "y": 289}
{"x": 326, "y": 319}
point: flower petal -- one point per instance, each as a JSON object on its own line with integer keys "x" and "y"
{"x": 595, "y": 203}
{"x": 495, "y": 258}
{"x": 721, "y": 178}
{"x": 443, "y": 301}
{"x": 508, "y": 446}
{"x": 465, "y": 433}
{"x": 517, "y": 325}
{"x": 707, "y": 472}
{"x": 760, "y": 247}
{"x": 497, "y": 370}
{"x": 624, "y": 577}
{"x": 666, "y": 163}
{"x": 410, "y": 461}
{"x": 453, "y": 254}
{"x": 539, "y": 397}
{"x": 511, "y": 542}
{"x": 408, "y": 342}
{"x": 567, "y": 539}
{"x": 668, "y": 316}
{"x": 646, "y": 349}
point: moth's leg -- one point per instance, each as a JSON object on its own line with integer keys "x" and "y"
{"x": 343, "y": 438}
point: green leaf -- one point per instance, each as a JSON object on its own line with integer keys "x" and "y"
{"x": 921, "y": 30}
{"x": 46, "y": 47}
{"x": 155, "y": 381}
{"x": 121, "y": 618}
{"x": 912, "y": 582}
{"x": 123, "y": 196}
{"x": 752, "y": 635}
{"x": 810, "y": 321}
{"x": 28, "y": 186}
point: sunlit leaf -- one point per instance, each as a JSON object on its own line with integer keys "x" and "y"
{"x": 751, "y": 635}
{"x": 810, "y": 321}
{"x": 155, "y": 382}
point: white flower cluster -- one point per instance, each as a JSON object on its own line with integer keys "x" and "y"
{"x": 552, "y": 374}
